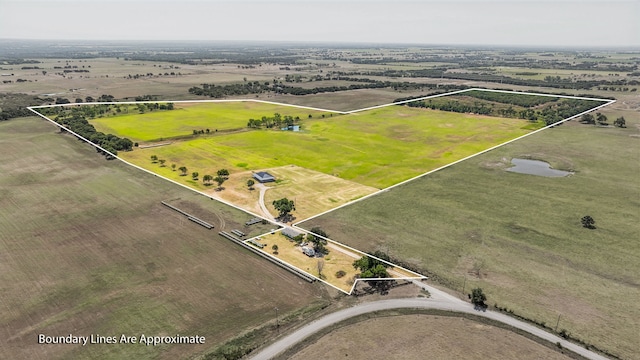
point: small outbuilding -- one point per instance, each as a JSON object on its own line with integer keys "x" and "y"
{"x": 290, "y": 233}
{"x": 264, "y": 177}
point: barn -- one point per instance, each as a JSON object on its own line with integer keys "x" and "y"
{"x": 264, "y": 177}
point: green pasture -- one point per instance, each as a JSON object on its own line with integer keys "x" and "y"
{"x": 185, "y": 118}
{"x": 377, "y": 148}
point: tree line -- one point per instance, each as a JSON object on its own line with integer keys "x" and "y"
{"x": 511, "y": 98}
{"x": 109, "y": 142}
{"x": 553, "y": 82}
{"x": 256, "y": 87}
{"x": 551, "y": 114}
{"x": 276, "y": 120}
{"x": 75, "y": 119}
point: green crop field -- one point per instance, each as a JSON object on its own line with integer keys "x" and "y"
{"x": 519, "y": 237}
{"x": 87, "y": 248}
{"x": 377, "y": 148}
{"x": 193, "y": 116}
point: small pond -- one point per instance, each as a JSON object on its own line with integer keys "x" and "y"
{"x": 536, "y": 167}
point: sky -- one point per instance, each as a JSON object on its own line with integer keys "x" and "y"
{"x": 559, "y": 23}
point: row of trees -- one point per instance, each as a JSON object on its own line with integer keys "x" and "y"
{"x": 553, "y": 82}
{"x": 526, "y": 101}
{"x": 277, "y": 87}
{"x": 101, "y": 110}
{"x": 556, "y": 111}
{"x": 602, "y": 119}
{"x": 276, "y": 121}
{"x": 222, "y": 174}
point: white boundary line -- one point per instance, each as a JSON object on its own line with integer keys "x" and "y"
{"x": 187, "y": 101}
{"x": 295, "y": 225}
{"x": 608, "y": 102}
{"x": 417, "y": 277}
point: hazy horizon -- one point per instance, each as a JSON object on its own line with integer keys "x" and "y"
{"x": 516, "y": 23}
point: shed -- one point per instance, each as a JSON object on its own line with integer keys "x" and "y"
{"x": 264, "y": 177}
{"x": 290, "y": 233}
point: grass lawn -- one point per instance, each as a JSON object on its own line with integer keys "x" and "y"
{"x": 339, "y": 258}
{"x": 332, "y": 263}
{"x": 377, "y": 148}
{"x": 87, "y": 248}
{"x": 187, "y": 117}
{"x": 519, "y": 236}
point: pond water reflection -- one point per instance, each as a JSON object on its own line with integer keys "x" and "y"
{"x": 536, "y": 167}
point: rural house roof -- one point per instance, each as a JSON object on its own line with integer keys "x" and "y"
{"x": 264, "y": 176}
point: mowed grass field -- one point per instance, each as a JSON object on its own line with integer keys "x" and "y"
{"x": 186, "y": 117}
{"x": 87, "y": 248}
{"x": 377, "y": 148}
{"x": 519, "y": 237}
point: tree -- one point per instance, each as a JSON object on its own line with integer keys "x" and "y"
{"x": 162, "y": 161}
{"x": 224, "y": 173}
{"x": 284, "y": 207}
{"x": 183, "y": 170}
{"x": 194, "y": 175}
{"x": 601, "y": 118}
{"x": 173, "y": 167}
{"x": 207, "y": 179}
{"x": 620, "y": 122}
{"x": 275, "y": 249}
{"x": 588, "y": 222}
{"x": 371, "y": 268}
{"x": 587, "y": 119}
{"x": 318, "y": 244}
{"x": 320, "y": 266}
{"x": 318, "y": 231}
{"x": 154, "y": 159}
{"x": 478, "y": 298}
{"x": 219, "y": 180}
{"x": 250, "y": 184}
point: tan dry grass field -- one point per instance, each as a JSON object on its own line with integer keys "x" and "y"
{"x": 332, "y": 263}
{"x": 312, "y": 191}
{"x": 340, "y": 258}
{"x": 425, "y": 337}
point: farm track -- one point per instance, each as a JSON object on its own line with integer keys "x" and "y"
{"x": 439, "y": 300}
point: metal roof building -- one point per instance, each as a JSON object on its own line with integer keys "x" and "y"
{"x": 290, "y": 233}
{"x": 264, "y": 177}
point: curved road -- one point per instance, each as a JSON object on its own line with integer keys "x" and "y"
{"x": 438, "y": 300}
